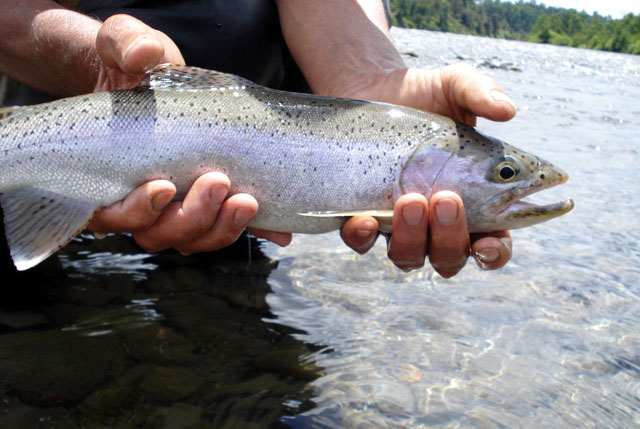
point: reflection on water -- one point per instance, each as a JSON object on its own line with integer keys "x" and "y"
{"x": 316, "y": 336}
{"x": 110, "y": 340}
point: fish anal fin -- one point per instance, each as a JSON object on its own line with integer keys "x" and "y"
{"x": 38, "y": 222}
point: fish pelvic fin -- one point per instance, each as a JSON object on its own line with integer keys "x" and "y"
{"x": 186, "y": 78}
{"x": 384, "y": 217}
{"x": 38, "y": 222}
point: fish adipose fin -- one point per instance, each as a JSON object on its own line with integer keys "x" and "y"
{"x": 186, "y": 78}
{"x": 38, "y": 223}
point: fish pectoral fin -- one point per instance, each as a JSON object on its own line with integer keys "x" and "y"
{"x": 38, "y": 222}
{"x": 384, "y": 217}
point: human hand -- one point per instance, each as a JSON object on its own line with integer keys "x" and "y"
{"x": 437, "y": 228}
{"x": 457, "y": 91}
{"x": 128, "y": 48}
{"x": 204, "y": 220}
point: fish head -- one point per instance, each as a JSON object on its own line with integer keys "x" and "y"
{"x": 491, "y": 176}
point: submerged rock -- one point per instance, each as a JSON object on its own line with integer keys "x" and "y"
{"x": 170, "y": 384}
{"x": 55, "y": 367}
{"x": 178, "y": 416}
{"x": 158, "y": 344}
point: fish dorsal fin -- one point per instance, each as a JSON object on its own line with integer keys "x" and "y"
{"x": 10, "y": 110}
{"x": 38, "y": 223}
{"x": 186, "y": 78}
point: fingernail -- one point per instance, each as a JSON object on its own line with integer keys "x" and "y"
{"x": 412, "y": 214}
{"x": 242, "y": 216}
{"x": 485, "y": 257}
{"x": 501, "y": 96}
{"x": 364, "y": 233}
{"x": 368, "y": 231}
{"x": 370, "y": 240}
{"x": 507, "y": 243}
{"x": 488, "y": 255}
{"x": 132, "y": 46}
{"x": 218, "y": 193}
{"x": 151, "y": 62}
{"x": 447, "y": 211}
{"x": 160, "y": 201}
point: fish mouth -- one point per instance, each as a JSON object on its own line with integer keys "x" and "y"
{"x": 521, "y": 214}
{"x": 524, "y": 209}
{"x": 511, "y": 212}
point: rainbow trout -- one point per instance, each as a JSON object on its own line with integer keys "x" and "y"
{"x": 310, "y": 161}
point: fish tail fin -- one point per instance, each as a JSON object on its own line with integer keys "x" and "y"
{"x": 39, "y": 222}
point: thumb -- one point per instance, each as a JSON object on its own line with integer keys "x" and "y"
{"x": 476, "y": 93}
{"x": 129, "y": 45}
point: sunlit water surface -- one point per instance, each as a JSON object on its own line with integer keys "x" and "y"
{"x": 318, "y": 336}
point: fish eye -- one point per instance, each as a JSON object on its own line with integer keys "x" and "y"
{"x": 507, "y": 172}
{"x": 506, "y": 169}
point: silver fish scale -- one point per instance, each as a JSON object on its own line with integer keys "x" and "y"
{"x": 295, "y": 153}
{"x": 291, "y": 152}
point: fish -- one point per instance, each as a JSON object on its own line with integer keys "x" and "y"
{"x": 310, "y": 161}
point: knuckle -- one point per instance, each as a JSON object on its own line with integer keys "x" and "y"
{"x": 149, "y": 244}
{"x": 214, "y": 242}
{"x": 116, "y": 20}
{"x": 229, "y": 237}
{"x": 137, "y": 223}
{"x": 200, "y": 224}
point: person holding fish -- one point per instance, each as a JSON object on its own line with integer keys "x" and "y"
{"x": 342, "y": 48}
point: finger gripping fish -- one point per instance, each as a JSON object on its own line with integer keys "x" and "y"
{"x": 309, "y": 161}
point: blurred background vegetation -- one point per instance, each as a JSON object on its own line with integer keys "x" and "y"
{"x": 528, "y": 21}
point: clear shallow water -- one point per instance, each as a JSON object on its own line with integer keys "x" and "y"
{"x": 552, "y": 339}
{"x": 318, "y": 336}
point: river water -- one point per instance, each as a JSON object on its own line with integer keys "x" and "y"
{"x": 314, "y": 335}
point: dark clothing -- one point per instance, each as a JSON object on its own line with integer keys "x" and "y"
{"x": 242, "y": 37}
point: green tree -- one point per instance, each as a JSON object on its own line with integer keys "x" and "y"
{"x": 524, "y": 20}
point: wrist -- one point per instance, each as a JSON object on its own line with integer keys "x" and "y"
{"x": 67, "y": 42}
{"x": 48, "y": 47}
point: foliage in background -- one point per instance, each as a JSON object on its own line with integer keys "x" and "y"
{"x": 528, "y": 21}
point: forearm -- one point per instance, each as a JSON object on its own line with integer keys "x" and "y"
{"x": 48, "y": 47}
{"x": 341, "y": 46}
